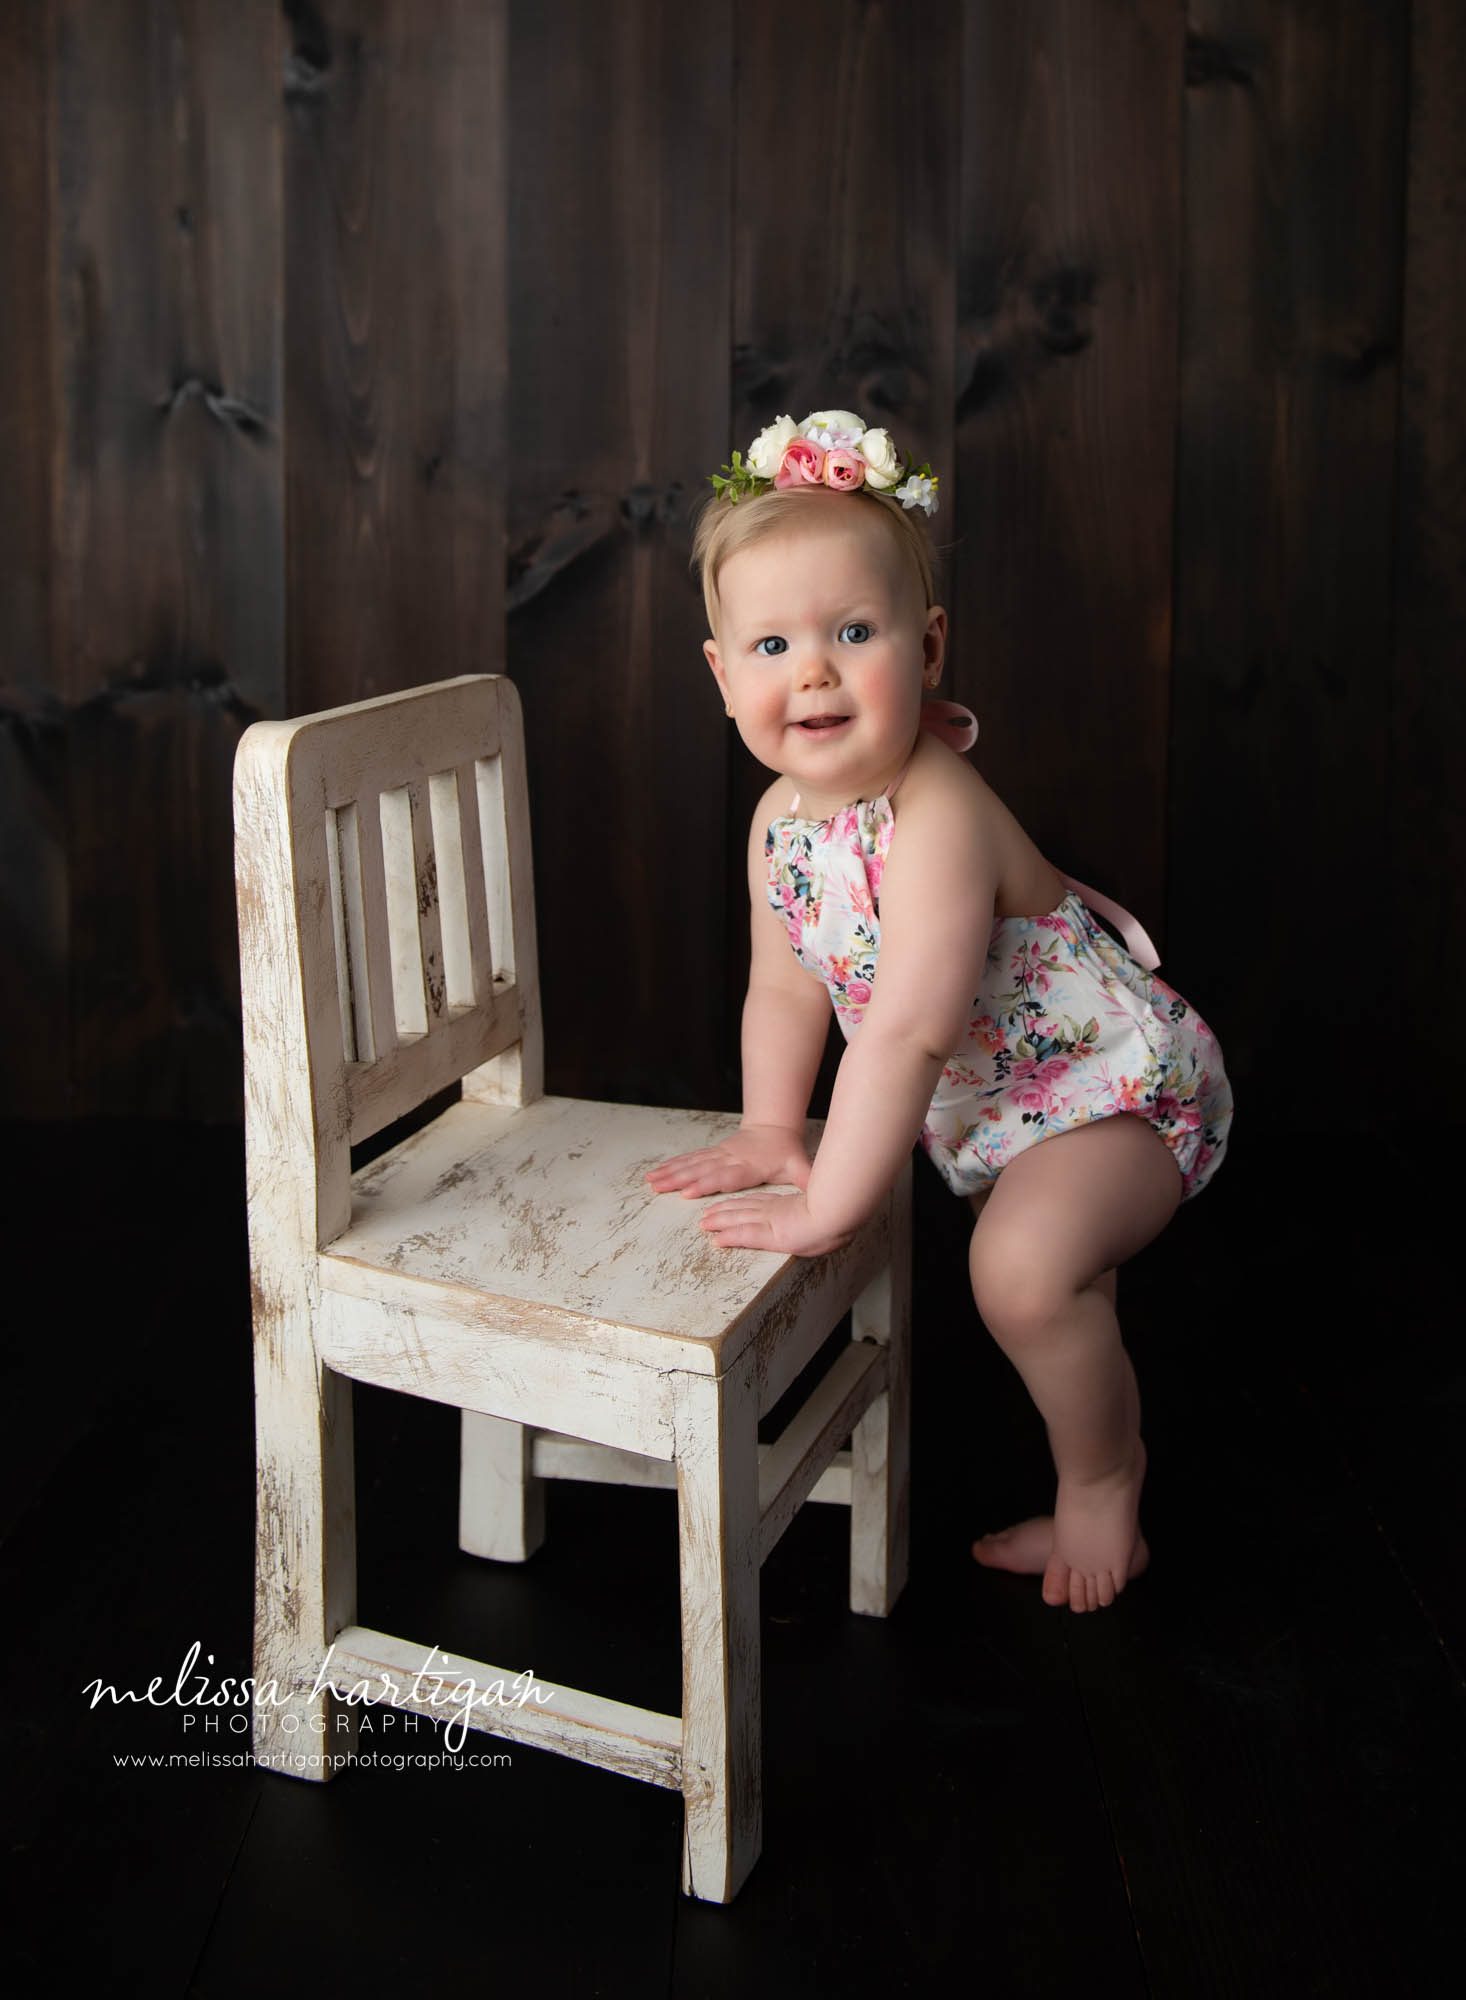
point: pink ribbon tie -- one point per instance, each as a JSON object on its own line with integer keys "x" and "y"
{"x": 950, "y": 721}
{"x": 1137, "y": 942}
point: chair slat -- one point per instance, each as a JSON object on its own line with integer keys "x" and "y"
{"x": 426, "y": 894}
{"x": 453, "y": 890}
{"x": 476, "y": 909}
{"x": 364, "y": 906}
{"x": 409, "y": 1002}
{"x": 338, "y": 929}
{"x": 498, "y": 863}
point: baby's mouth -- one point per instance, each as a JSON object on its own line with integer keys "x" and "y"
{"x": 814, "y": 722}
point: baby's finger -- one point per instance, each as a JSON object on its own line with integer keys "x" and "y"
{"x": 676, "y": 1173}
{"x": 748, "y": 1234}
{"x": 730, "y": 1214}
{"x": 693, "y": 1185}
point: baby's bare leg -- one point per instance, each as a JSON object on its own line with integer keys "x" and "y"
{"x": 1045, "y": 1253}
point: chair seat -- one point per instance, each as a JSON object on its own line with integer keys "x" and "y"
{"x": 547, "y": 1205}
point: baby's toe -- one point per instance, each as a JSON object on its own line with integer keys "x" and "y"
{"x": 1056, "y": 1584}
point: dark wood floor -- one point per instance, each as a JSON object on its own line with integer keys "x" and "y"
{"x": 1247, "y": 1778}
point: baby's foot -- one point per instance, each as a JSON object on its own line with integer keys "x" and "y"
{"x": 1087, "y": 1549}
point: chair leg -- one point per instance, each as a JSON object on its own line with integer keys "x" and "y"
{"x": 722, "y": 1722}
{"x": 880, "y": 1444}
{"x": 501, "y": 1505}
{"x": 305, "y": 1556}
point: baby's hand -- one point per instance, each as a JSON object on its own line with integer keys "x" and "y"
{"x": 771, "y": 1222}
{"x": 753, "y": 1157}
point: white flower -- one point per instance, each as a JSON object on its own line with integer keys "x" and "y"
{"x": 767, "y": 449}
{"x": 881, "y": 462}
{"x": 834, "y": 427}
{"x": 918, "y": 491}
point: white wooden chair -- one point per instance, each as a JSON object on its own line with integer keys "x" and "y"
{"x": 509, "y": 1259}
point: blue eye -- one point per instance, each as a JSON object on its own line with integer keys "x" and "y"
{"x": 772, "y": 640}
{"x": 857, "y": 625}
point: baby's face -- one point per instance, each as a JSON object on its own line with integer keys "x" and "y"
{"x": 820, "y": 651}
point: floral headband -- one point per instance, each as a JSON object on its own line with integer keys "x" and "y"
{"x": 830, "y": 448}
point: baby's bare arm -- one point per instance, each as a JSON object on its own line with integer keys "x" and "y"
{"x": 786, "y": 1013}
{"x": 786, "y": 1022}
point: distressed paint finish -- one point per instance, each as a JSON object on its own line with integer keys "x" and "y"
{"x": 718, "y": 1572}
{"x": 505, "y": 1201}
{"x": 789, "y": 1469}
{"x": 880, "y": 1443}
{"x": 637, "y": 1742}
{"x": 296, "y": 1168}
{"x": 510, "y": 1259}
{"x": 556, "y": 1457}
{"x": 522, "y": 1372}
{"x": 501, "y": 1501}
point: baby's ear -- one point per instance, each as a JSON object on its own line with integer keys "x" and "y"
{"x": 710, "y": 654}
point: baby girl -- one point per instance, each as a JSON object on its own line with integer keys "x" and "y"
{"x": 1049, "y": 1075}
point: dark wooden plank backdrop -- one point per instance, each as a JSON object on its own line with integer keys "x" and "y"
{"x": 620, "y": 215}
{"x": 34, "y": 1015}
{"x": 352, "y": 345}
{"x": 396, "y": 368}
{"x": 1291, "y": 299}
{"x": 1068, "y": 254}
{"x": 167, "y": 542}
{"x": 1425, "y": 688}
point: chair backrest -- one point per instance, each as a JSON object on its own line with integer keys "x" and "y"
{"x": 386, "y": 924}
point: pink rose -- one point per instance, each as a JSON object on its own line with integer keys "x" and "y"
{"x": 844, "y": 469}
{"x": 802, "y": 464}
{"x": 858, "y": 992}
{"x": 1029, "y": 1097}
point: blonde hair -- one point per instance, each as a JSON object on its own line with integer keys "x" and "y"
{"x": 725, "y": 526}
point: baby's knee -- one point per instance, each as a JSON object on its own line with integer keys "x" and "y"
{"x": 1020, "y": 1282}
{"x": 1012, "y": 1285}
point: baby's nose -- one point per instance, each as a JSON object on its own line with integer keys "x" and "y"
{"x": 815, "y": 667}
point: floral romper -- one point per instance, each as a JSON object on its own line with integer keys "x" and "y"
{"x": 1068, "y": 1026}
